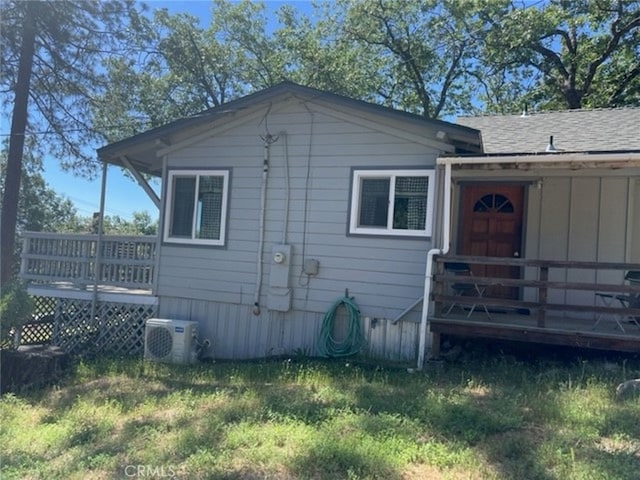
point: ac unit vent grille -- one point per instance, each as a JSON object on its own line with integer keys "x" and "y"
{"x": 171, "y": 340}
{"x": 160, "y": 342}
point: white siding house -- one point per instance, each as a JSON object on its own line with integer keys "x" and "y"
{"x": 276, "y": 205}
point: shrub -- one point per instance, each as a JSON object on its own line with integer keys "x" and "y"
{"x": 16, "y": 308}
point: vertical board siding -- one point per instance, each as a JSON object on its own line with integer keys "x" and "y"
{"x": 581, "y": 217}
{"x": 612, "y": 214}
{"x": 583, "y": 235}
{"x": 634, "y": 218}
{"x": 554, "y": 228}
{"x": 216, "y": 285}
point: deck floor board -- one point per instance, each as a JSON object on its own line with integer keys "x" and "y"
{"x": 558, "y": 330}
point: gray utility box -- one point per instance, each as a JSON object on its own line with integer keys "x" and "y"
{"x": 279, "y": 295}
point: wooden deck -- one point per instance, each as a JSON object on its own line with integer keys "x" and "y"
{"x": 73, "y": 262}
{"x": 93, "y": 294}
{"x": 105, "y": 293}
{"x": 558, "y": 330}
{"x": 560, "y": 303}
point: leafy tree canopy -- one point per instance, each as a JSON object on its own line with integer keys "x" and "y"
{"x": 80, "y": 72}
{"x": 72, "y": 40}
{"x": 49, "y": 75}
{"x": 435, "y": 57}
{"x": 574, "y": 53}
{"x": 40, "y": 208}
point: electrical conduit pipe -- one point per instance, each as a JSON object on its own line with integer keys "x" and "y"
{"x": 268, "y": 140}
{"x": 446, "y": 226}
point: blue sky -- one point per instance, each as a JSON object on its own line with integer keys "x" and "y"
{"x": 124, "y": 196}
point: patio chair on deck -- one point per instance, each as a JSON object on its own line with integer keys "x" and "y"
{"x": 465, "y": 287}
{"x": 623, "y": 300}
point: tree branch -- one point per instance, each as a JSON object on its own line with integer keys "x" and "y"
{"x": 622, "y": 85}
{"x": 616, "y": 36}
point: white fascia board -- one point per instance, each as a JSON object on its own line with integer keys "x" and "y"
{"x": 630, "y": 159}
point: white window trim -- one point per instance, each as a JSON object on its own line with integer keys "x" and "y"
{"x": 169, "y": 203}
{"x": 358, "y": 175}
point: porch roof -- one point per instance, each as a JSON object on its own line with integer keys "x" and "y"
{"x": 568, "y": 160}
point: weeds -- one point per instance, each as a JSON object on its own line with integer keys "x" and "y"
{"x": 495, "y": 417}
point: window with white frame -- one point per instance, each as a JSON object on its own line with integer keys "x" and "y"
{"x": 196, "y": 210}
{"x": 392, "y": 202}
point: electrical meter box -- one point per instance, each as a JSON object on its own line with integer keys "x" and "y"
{"x": 279, "y": 295}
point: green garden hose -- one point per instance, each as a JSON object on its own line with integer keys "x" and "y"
{"x": 353, "y": 341}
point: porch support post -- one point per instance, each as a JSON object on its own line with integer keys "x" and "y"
{"x": 542, "y": 296}
{"x": 98, "y": 261}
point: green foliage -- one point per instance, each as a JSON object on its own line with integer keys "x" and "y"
{"x": 16, "y": 308}
{"x": 141, "y": 223}
{"x": 436, "y": 58}
{"x": 72, "y": 40}
{"x": 491, "y": 418}
{"x": 49, "y": 76}
{"x": 40, "y": 208}
{"x": 186, "y": 68}
{"x": 574, "y": 54}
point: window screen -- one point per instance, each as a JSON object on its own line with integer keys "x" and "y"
{"x": 392, "y": 202}
{"x": 209, "y": 215}
{"x": 196, "y": 210}
{"x": 410, "y": 203}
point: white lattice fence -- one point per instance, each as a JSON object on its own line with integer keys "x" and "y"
{"x": 114, "y": 327}
{"x": 39, "y": 331}
{"x": 122, "y": 327}
{"x": 74, "y": 329}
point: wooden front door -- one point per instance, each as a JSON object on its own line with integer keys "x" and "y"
{"x": 491, "y": 226}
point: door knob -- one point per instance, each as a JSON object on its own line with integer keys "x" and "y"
{"x": 516, "y": 254}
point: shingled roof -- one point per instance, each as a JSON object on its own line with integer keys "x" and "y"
{"x": 598, "y": 130}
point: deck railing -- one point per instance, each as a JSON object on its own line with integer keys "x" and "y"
{"x": 588, "y": 290}
{"x": 124, "y": 261}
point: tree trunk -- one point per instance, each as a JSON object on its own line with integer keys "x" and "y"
{"x": 16, "y": 147}
{"x": 573, "y": 99}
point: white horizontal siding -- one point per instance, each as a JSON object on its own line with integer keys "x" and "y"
{"x": 216, "y": 285}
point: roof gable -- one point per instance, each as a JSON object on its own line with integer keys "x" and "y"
{"x": 141, "y": 149}
{"x": 614, "y": 129}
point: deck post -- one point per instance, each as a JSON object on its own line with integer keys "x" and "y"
{"x": 98, "y": 260}
{"x": 24, "y": 262}
{"x": 439, "y": 290}
{"x": 435, "y": 344}
{"x": 542, "y": 296}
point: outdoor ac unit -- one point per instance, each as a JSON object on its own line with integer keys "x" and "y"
{"x": 172, "y": 341}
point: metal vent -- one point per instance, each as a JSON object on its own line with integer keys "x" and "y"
{"x": 159, "y": 342}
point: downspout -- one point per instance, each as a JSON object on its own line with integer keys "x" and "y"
{"x": 268, "y": 140}
{"x": 97, "y": 265}
{"x": 446, "y": 226}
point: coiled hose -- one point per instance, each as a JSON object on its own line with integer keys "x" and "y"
{"x": 353, "y": 341}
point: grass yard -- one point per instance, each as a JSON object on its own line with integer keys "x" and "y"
{"x": 485, "y": 417}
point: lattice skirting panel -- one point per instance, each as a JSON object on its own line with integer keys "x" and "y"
{"x": 115, "y": 328}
